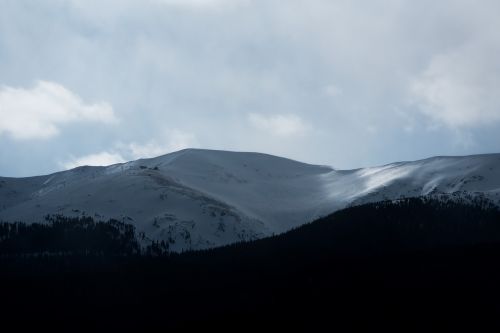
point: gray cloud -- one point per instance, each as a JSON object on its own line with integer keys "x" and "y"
{"x": 369, "y": 80}
{"x": 461, "y": 88}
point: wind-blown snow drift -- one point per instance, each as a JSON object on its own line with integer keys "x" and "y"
{"x": 196, "y": 199}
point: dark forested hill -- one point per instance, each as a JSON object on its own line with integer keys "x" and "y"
{"x": 403, "y": 265}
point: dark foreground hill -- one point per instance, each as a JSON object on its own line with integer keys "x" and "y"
{"x": 403, "y": 265}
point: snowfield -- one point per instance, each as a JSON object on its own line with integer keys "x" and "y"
{"x": 195, "y": 199}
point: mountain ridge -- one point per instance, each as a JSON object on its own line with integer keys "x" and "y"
{"x": 196, "y": 198}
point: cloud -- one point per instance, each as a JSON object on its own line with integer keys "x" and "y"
{"x": 202, "y": 3}
{"x": 461, "y": 88}
{"x": 333, "y": 90}
{"x": 38, "y": 113}
{"x": 99, "y": 159}
{"x": 173, "y": 140}
{"x": 283, "y": 125}
{"x": 205, "y": 65}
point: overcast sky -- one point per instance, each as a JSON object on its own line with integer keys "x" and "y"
{"x": 344, "y": 83}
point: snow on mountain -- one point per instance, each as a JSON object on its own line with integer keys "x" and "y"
{"x": 196, "y": 199}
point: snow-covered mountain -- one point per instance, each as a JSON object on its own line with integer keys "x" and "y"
{"x": 196, "y": 199}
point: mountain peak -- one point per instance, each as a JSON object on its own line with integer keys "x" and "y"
{"x": 198, "y": 198}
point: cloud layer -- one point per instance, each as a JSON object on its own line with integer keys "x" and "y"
{"x": 345, "y": 83}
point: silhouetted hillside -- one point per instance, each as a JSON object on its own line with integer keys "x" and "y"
{"x": 401, "y": 264}
{"x": 62, "y": 236}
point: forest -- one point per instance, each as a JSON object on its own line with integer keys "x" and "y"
{"x": 404, "y": 263}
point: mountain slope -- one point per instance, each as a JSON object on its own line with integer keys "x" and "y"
{"x": 197, "y": 199}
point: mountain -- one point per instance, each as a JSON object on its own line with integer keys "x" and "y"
{"x": 195, "y": 199}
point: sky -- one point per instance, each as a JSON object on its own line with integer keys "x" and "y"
{"x": 342, "y": 83}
